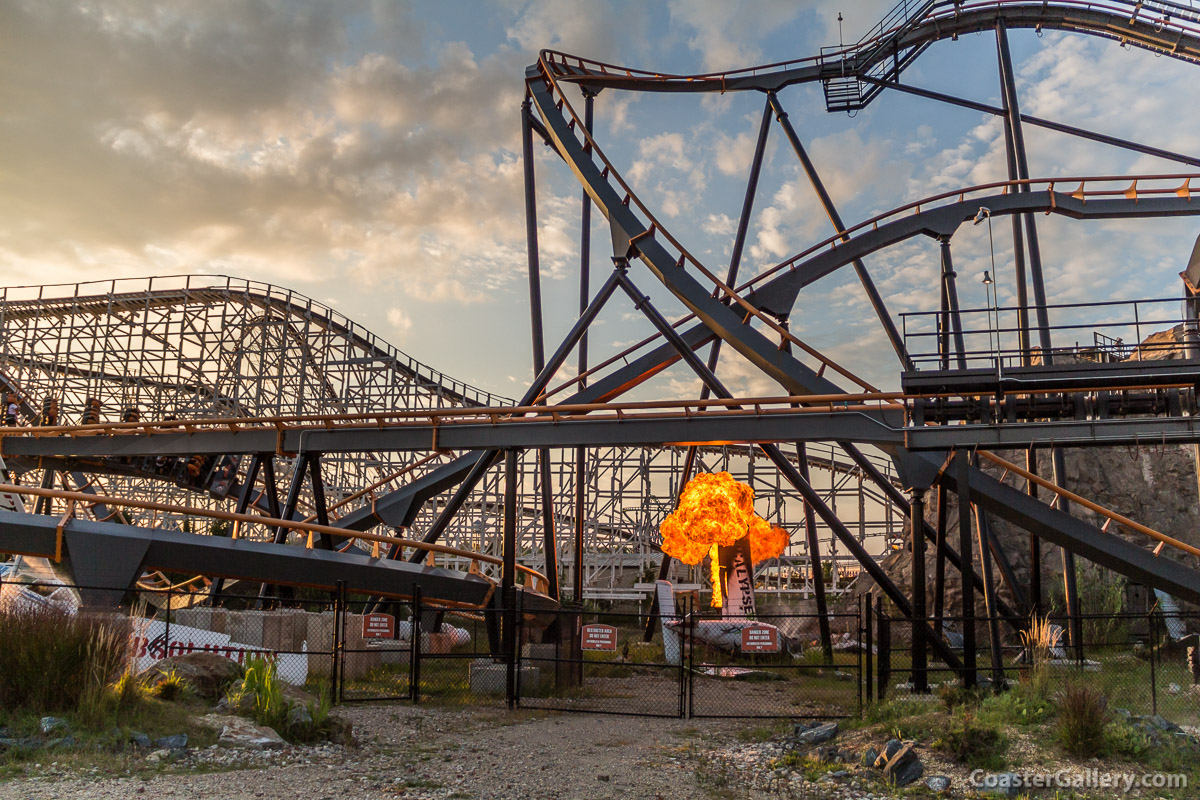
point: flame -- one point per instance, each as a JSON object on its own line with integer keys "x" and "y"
{"x": 714, "y": 572}
{"x": 715, "y": 510}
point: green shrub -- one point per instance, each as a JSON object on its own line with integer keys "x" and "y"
{"x": 1082, "y": 720}
{"x": 953, "y": 696}
{"x": 968, "y": 742}
{"x": 261, "y": 692}
{"x": 1023, "y": 705}
{"x": 170, "y": 687}
{"x": 51, "y": 661}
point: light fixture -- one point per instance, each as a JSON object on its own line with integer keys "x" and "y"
{"x": 987, "y": 278}
{"x": 983, "y": 213}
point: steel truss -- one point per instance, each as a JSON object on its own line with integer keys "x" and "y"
{"x": 191, "y": 348}
{"x": 275, "y": 358}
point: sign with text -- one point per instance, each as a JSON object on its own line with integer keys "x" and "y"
{"x": 760, "y": 639}
{"x": 599, "y": 637}
{"x": 379, "y": 626}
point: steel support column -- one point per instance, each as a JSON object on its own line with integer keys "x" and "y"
{"x": 585, "y": 266}
{"x": 1022, "y": 290}
{"x": 916, "y": 521}
{"x": 939, "y": 566}
{"x": 1035, "y": 545}
{"x": 549, "y": 544}
{"x": 1009, "y": 90}
{"x": 950, "y": 290}
{"x": 814, "y": 561}
{"x": 963, "y": 468}
{"x": 885, "y": 318}
{"x": 1070, "y": 587}
{"x": 318, "y": 492}
{"x": 989, "y": 599}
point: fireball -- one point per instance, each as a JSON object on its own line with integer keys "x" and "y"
{"x": 716, "y": 511}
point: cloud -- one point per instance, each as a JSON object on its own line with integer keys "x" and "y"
{"x": 250, "y": 137}
{"x": 728, "y": 35}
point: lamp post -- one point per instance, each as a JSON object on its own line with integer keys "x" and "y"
{"x": 989, "y": 285}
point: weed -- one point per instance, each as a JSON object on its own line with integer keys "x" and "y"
{"x": 978, "y": 746}
{"x": 170, "y": 687}
{"x": 1082, "y": 719}
{"x": 62, "y": 660}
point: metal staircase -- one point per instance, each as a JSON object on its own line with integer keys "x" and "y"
{"x": 878, "y": 55}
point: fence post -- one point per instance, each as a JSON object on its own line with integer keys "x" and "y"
{"x": 167, "y": 634}
{"x": 511, "y": 620}
{"x": 338, "y": 648}
{"x": 868, "y": 641}
{"x": 414, "y": 649}
{"x": 1153, "y": 658}
{"x": 885, "y": 651}
{"x": 689, "y": 676}
{"x": 516, "y": 701}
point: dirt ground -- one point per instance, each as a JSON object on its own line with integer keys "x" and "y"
{"x": 426, "y": 752}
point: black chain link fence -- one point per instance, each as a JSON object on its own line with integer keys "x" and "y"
{"x": 688, "y": 664}
{"x": 1144, "y": 664}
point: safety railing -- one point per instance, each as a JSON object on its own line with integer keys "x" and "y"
{"x": 1110, "y": 516}
{"x": 1161, "y": 14}
{"x": 472, "y": 415}
{"x": 1118, "y": 330}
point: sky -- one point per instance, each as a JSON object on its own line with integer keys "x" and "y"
{"x": 367, "y": 154}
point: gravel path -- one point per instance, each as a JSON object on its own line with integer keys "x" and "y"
{"x": 421, "y": 752}
{"x": 437, "y": 753}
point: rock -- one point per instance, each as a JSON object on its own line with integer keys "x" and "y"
{"x": 159, "y": 755}
{"x": 65, "y": 741}
{"x": 176, "y": 742}
{"x": 208, "y": 674}
{"x": 890, "y": 749}
{"x": 827, "y": 755}
{"x": 819, "y": 734}
{"x": 341, "y": 729}
{"x": 869, "y": 757}
{"x": 938, "y": 783}
{"x": 1123, "y": 713}
{"x": 139, "y": 739}
{"x": 51, "y": 724}
{"x": 298, "y": 716}
{"x": 1162, "y": 724}
{"x": 1001, "y": 784}
{"x": 242, "y": 733}
{"x": 904, "y": 767}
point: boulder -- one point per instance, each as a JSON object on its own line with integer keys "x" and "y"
{"x": 207, "y": 674}
{"x": 176, "y": 742}
{"x": 939, "y": 784}
{"x": 817, "y": 734}
{"x": 242, "y": 733}
{"x": 869, "y": 757}
{"x": 904, "y": 767}
{"x": 51, "y": 724}
{"x": 247, "y": 735}
{"x": 890, "y": 749}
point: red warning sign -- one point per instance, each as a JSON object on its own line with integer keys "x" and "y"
{"x": 379, "y": 626}
{"x": 599, "y": 637}
{"x": 760, "y": 639}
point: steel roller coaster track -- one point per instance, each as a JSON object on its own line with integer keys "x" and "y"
{"x": 824, "y": 401}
